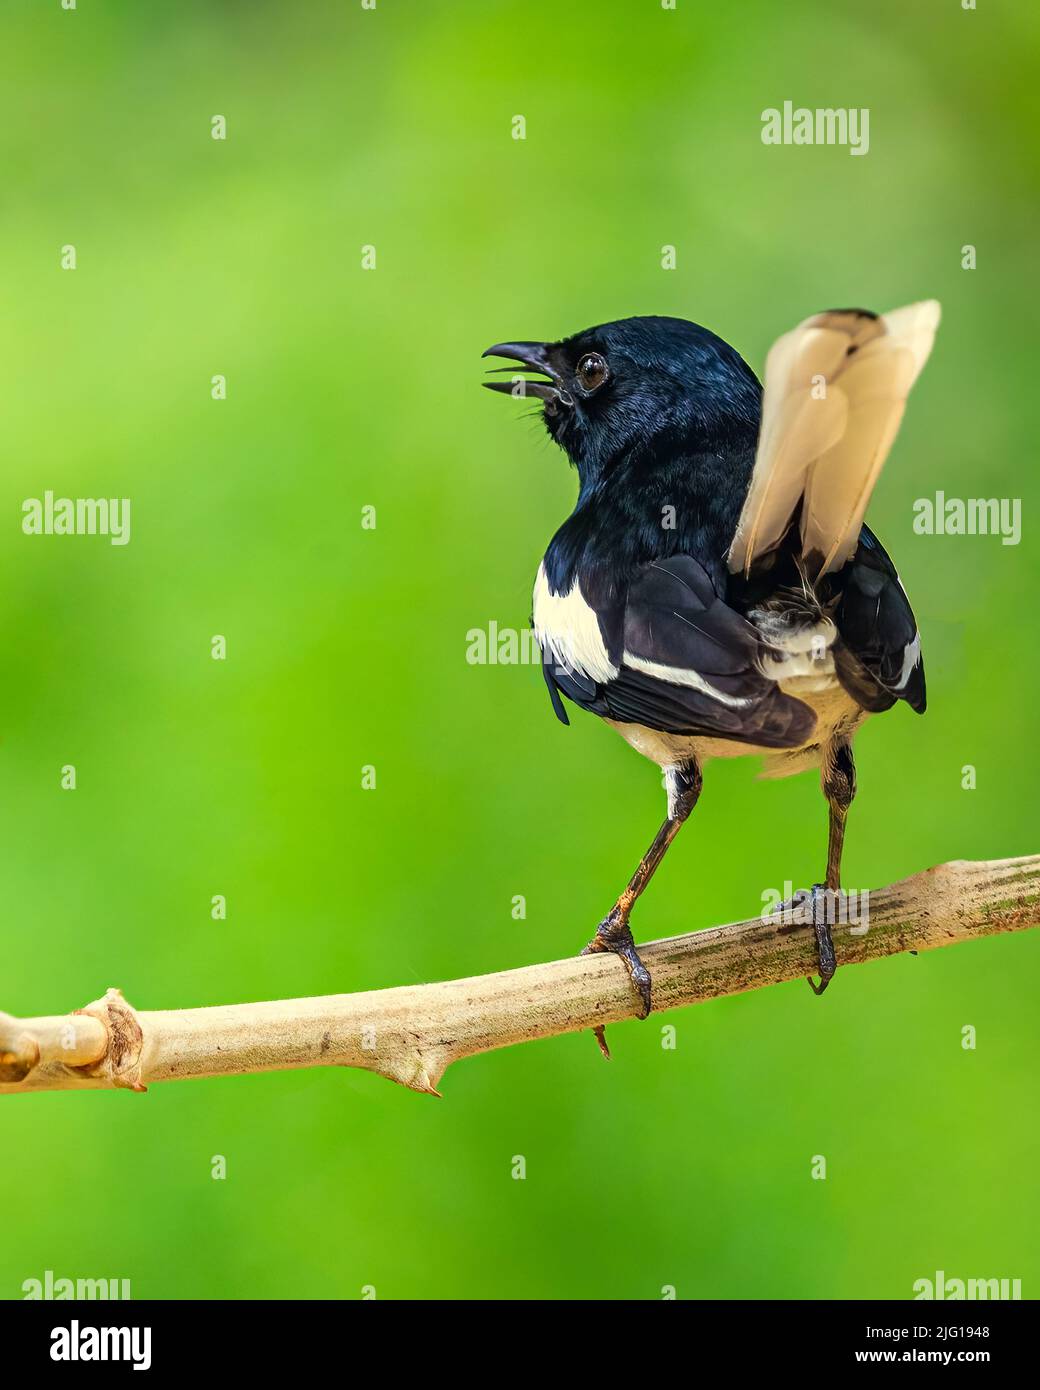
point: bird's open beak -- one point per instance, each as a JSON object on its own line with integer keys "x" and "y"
{"x": 535, "y": 358}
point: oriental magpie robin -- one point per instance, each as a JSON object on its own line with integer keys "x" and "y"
{"x": 714, "y": 591}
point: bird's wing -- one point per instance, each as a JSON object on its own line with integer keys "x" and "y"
{"x": 878, "y": 655}
{"x": 682, "y": 662}
{"x": 835, "y": 391}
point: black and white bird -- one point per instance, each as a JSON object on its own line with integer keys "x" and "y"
{"x": 714, "y": 591}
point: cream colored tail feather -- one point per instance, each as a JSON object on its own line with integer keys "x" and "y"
{"x": 835, "y": 391}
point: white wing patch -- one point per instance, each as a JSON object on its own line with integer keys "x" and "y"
{"x": 566, "y": 626}
{"x": 677, "y": 675}
{"x": 911, "y": 658}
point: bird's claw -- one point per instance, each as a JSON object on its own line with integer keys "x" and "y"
{"x": 826, "y": 959}
{"x": 816, "y": 899}
{"x": 614, "y": 934}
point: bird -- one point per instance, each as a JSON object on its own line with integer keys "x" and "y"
{"x": 715, "y": 591}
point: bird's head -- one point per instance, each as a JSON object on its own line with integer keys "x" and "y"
{"x": 647, "y": 384}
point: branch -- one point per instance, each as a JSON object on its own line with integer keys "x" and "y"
{"x": 412, "y": 1035}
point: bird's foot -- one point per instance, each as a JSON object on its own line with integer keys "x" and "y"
{"x": 817, "y": 907}
{"x": 822, "y": 899}
{"x": 614, "y": 934}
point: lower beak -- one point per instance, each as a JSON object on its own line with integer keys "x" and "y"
{"x": 535, "y": 358}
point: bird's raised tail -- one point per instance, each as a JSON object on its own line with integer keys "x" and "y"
{"x": 835, "y": 391}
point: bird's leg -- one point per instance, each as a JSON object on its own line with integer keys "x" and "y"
{"x": 838, "y": 780}
{"x": 613, "y": 933}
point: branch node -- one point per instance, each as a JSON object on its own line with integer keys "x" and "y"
{"x": 120, "y": 1065}
{"x": 419, "y": 1072}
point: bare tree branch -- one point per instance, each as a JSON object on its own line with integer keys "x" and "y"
{"x": 412, "y": 1035}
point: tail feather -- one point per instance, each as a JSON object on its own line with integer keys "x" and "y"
{"x": 835, "y": 391}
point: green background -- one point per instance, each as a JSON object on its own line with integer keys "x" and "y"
{"x": 346, "y": 647}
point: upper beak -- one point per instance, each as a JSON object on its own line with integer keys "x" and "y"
{"x": 535, "y": 357}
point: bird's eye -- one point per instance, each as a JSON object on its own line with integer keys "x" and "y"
{"x": 593, "y": 371}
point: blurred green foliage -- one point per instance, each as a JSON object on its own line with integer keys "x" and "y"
{"x": 346, "y": 387}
